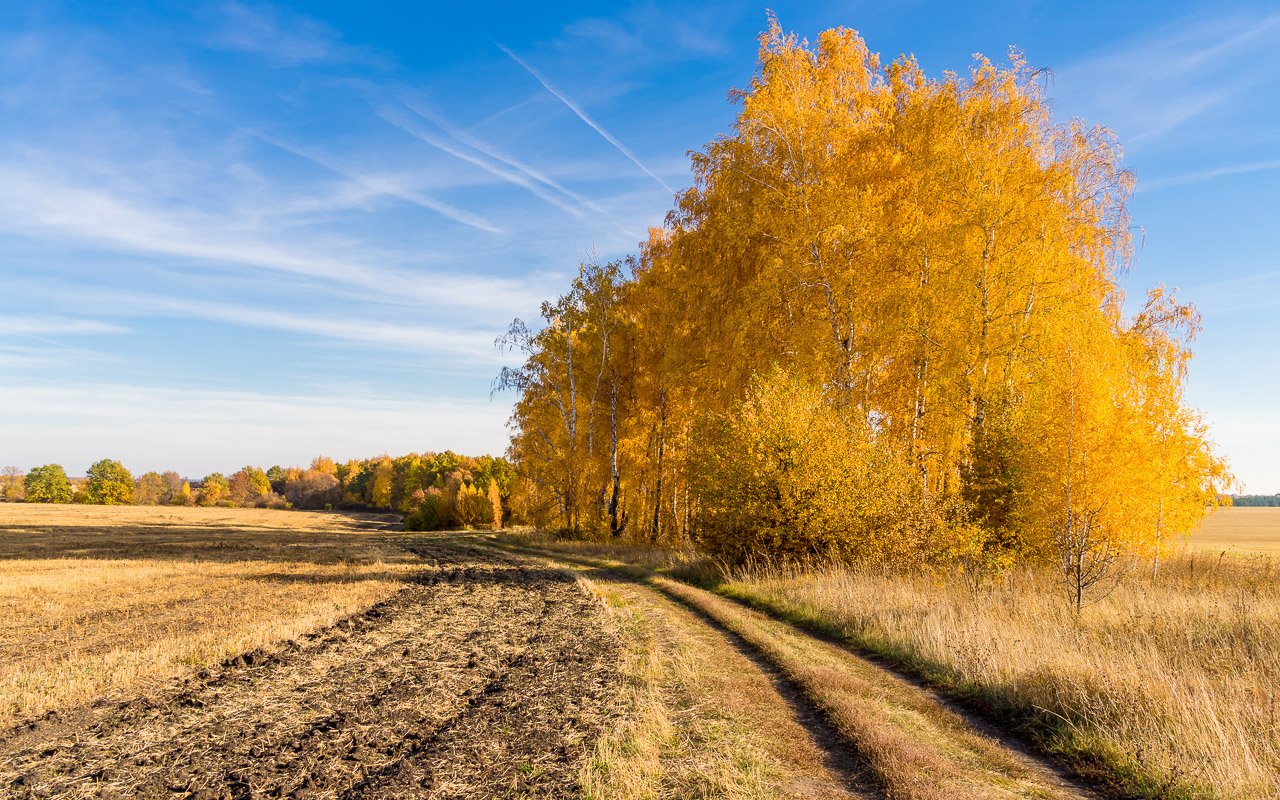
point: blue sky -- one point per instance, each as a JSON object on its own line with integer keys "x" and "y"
{"x": 249, "y": 233}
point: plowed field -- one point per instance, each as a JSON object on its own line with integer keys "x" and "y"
{"x": 484, "y": 676}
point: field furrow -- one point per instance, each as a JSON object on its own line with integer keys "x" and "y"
{"x": 483, "y": 676}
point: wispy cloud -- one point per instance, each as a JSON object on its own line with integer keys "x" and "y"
{"x": 54, "y": 326}
{"x": 382, "y": 184}
{"x": 1159, "y": 82}
{"x": 1235, "y": 295}
{"x": 511, "y": 109}
{"x": 41, "y": 201}
{"x": 22, "y": 357}
{"x": 474, "y": 142}
{"x": 280, "y": 35}
{"x": 362, "y": 324}
{"x": 153, "y": 427}
{"x": 46, "y": 356}
{"x": 417, "y": 131}
{"x": 1207, "y": 174}
{"x": 452, "y": 341}
{"x": 38, "y": 202}
{"x": 655, "y": 33}
{"x": 582, "y": 115}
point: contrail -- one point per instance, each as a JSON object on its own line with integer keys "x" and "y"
{"x": 622, "y": 148}
{"x": 382, "y": 185}
{"x": 485, "y": 148}
{"x": 395, "y": 118}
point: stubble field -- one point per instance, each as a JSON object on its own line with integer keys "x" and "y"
{"x": 209, "y": 653}
{"x": 101, "y": 599}
{"x": 1239, "y": 531}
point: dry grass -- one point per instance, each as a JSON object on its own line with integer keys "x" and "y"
{"x": 915, "y": 746}
{"x": 659, "y": 749}
{"x": 703, "y": 720}
{"x": 1169, "y": 687}
{"x": 97, "y": 600}
{"x": 1166, "y": 688}
{"x": 647, "y": 557}
{"x": 1240, "y": 531}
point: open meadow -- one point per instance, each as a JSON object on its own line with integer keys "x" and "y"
{"x": 1173, "y": 684}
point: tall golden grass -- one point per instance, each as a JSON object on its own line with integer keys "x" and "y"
{"x": 1170, "y": 685}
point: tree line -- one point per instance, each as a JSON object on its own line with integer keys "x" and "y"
{"x": 435, "y": 490}
{"x": 1256, "y": 500}
{"x": 883, "y": 326}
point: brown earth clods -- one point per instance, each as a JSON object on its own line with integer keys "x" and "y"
{"x": 487, "y": 676}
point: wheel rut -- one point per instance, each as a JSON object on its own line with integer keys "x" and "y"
{"x": 840, "y": 757}
{"x": 820, "y": 762}
{"x": 882, "y": 734}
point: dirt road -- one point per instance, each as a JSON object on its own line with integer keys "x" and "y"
{"x": 487, "y": 676}
{"x": 870, "y": 733}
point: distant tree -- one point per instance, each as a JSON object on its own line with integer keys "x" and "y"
{"x": 357, "y": 483}
{"x": 380, "y": 490}
{"x": 446, "y": 462}
{"x": 184, "y": 496}
{"x": 173, "y": 483}
{"x": 497, "y": 470}
{"x": 494, "y": 496}
{"x": 431, "y": 514}
{"x": 258, "y": 479}
{"x": 471, "y": 507}
{"x": 348, "y": 470}
{"x": 47, "y": 484}
{"x": 12, "y": 488}
{"x": 1256, "y": 500}
{"x": 324, "y": 464}
{"x": 455, "y": 483}
{"x": 239, "y": 491}
{"x": 150, "y": 489}
{"x": 214, "y": 489}
{"x": 249, "y": 487}
{"x": 276, "y": 474}
{"x": 313, "y": 489}
{"x": 407, "y": 476}
{"x": 108, "y": 483}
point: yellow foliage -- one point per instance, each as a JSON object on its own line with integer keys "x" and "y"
{"x": 884, "y": 325}
{"x": 790, "y": 475}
